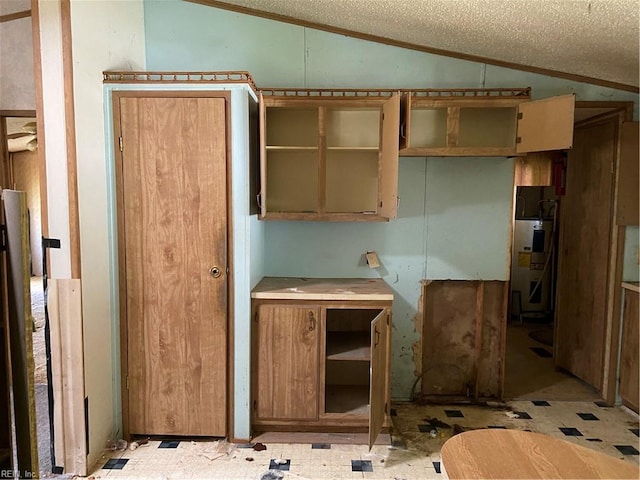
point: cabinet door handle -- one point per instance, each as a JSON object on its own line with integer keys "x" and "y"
{"x": 312, "y": 321}
{"x": 403, "y": 127}
{"x": 376, "y": 340}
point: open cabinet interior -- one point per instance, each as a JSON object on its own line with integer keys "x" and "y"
{"x": 349, "y": 163}
{"x": 348, "y": 360}
{"x": 487, "y": 127}
{"x": 324, "y": 159}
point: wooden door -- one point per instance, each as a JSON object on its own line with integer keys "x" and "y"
{"x": 545, "y": 124}
{"x": 583, "y": 253}
{"x": 628, "y": 207}
{"x": 173, "y": 261}
{"x": 287, "y": 362}
{"x": 379, "y": 381}
{"x": 19, "y": 324}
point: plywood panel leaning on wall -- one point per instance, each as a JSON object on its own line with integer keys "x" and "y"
{"x": 629, "y": 349}
{"x": 20, "y": 331}
{"x": 67, "y": 367}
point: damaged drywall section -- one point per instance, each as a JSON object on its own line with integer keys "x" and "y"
{"x": 418, "y": 322}
{"x": 463, "y": 352}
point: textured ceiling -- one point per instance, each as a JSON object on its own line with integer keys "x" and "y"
{"x": 597, "y": 39}
{"x": 13, "y": 6}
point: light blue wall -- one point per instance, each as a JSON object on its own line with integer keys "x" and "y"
{"x": 468, "y": 213}
{"x": 186, "y": 36}
{"x": 453, "y": 220}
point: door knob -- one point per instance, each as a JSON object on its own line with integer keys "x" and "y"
{"x": 215, "y": 271}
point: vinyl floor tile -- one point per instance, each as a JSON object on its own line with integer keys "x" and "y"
{"x": 213, "y": 460}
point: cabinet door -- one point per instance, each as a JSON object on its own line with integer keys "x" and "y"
{"x": 287, "y": 362}
{"x": 545, "y": 124}
{"x": 263, "y": 157}
{"x": 379, "y": 393}
{"x": 405, "y": 120}
{"x": 389, "y": 157}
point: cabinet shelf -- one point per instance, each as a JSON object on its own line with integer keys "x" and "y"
{"x": 290, "y": 148}
{"x": 350, "y": 399}
{"x": 353, "y": 346}
{"x": 353, "y": 149}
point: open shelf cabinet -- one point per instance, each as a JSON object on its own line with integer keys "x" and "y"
{"x": 484, "y": 125}
{"x": 329, "y": 158}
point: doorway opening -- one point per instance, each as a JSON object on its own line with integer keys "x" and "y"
{"x": 530, "y": 371}
{"x": 22, "y": 170}
{"x": 585, "y": 298}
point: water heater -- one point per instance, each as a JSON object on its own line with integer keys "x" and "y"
{"x": 530, "y": 279}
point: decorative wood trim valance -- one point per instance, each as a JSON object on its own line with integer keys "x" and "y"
{"x": 180, "y": 77}
{"x": 245, "y": 77}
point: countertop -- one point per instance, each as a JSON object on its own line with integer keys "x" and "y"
{"x": 294, "y": 288}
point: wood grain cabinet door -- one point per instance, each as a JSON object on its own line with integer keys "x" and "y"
{"x": 379, "y": 389}
{"x": 388, "y": 168}
{"x": 546, "y": 124}
{"x": 287, "y": 362}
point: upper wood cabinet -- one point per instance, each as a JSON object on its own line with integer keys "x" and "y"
{"x": 335, "y": 157}
{"x": 328, "y": 158}
{"x": 492, "y": 123}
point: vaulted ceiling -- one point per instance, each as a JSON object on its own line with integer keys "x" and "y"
{"x": 596, "y": 41}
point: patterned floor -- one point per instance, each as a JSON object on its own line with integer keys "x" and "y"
{"x": 548, "y": 401}
{"x": 417, "y": 437}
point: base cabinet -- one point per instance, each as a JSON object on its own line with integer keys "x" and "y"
{"x": 321, "y": 365}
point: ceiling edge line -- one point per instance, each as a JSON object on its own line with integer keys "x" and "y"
{"x": 15, "y": 16}
{"x": 17, "y": 113}
{"x": 416, "y": 47}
